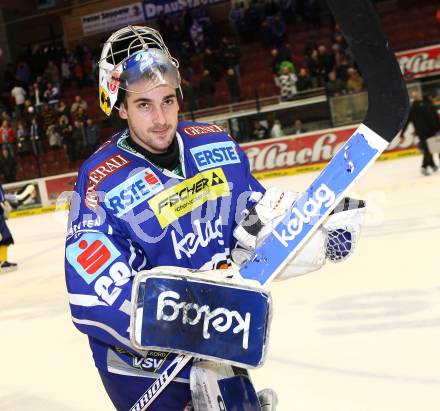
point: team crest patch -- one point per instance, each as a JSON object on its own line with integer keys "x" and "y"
{"x": 175, "y": 202}
{"x": 215, "y": 154}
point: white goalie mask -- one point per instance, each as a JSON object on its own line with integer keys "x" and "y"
{"x": 134, "y": 55}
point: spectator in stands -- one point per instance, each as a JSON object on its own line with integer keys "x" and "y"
{"x": 286, "y": 82}
{"x": 183, "y": 55}
{"x": 37, "y": 94}
{"x": 298, "y": 127}
{"x": 51, "y": 95}
{"x": 66, "y": 130}
{"x": 231, "y": 56}
{"x": 341, "y": 69}
{"x": 423, "y": 115}
{"x": 233, "y": 85}
{"x": 5, "y": 116}
{"x": 22, "y": 139}
{"x": 355, "y": 82}
{"x": 52, "y": 74}
{"x": 334, "y": 86}
{"x": 66, "y": 71}
{"x": 93, "y": 135}
{"x": 280, "y": 55}
{"x": 78, "y": 139}
{"x": 211, "y": 62}
{"x": 53, "y": 137}
{"x": 28, "y": 114}
{"x": 8, "y": 166}
{"x": 7, "y": 137}
{"x": 304, "y": 82}
{"x": 253, "y": 16}
{"x": 325, "y": 59}
{"x": 19, "y": 95}
{"x": 271, "y": 8}
{"x": 278, "y": 29}
{"x": 276, "y": 130}
{"x": 189, "y": 90}
{"x": 48, "y": 116}
{"x": 35, "y": 132}
{"x": 23, "y": 73}
{"x": 312, "y": 13}
{"x": 310, "y": 44}
{"x": 76, "y": 105}
{"x": 79, "y": 115}
{"x": 265, "y": 34}
{"x": 78, "y": 73}
{"x": 259, "y": 132}
{"x": 206, "y": 89}
{"x": 62, "y": 109}
{"x": 197, "y": 36}
{"x": 8, "y": 77}
{"x": 317, "y": 74}
{"x": 236, "y": 16}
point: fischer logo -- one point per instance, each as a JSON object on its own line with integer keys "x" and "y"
{"x": 98, "y": 174}
{"x": 177, "y": 201}
{"x": 194, "y": 131}
{"x": 419, "y": 63}
{"x": 221, "y": 319}
{"x": 309, "y": 210}
{"x": 191, "y": 242}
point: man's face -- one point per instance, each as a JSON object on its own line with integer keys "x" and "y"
{"x": 151, "y": 116}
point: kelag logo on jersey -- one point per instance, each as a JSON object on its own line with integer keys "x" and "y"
{"x": 215, "y": 154}
{"x": 91, "y": 255}
{"x": 133, "y": 191}
{"x": 175, "y": 202}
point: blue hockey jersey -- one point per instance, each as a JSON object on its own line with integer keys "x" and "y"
{"x": 128, "y": 215}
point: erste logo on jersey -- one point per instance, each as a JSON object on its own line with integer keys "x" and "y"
{"x": 91, "y": 255}
{"x": 215, "y": 154}
{"x": 98, "y": 174}
{"x": 133, "y": 191}
{"x": 175, "y": 202}
{"x": 195, "y": 131}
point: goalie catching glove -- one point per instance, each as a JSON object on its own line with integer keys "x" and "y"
{"x": 335, "y": 240}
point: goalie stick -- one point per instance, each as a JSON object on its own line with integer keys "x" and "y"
{"x": 388, "y": 107}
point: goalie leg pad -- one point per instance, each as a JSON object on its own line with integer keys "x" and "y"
{"x": 220, "y": 387}
{"x": 221, "y": 320}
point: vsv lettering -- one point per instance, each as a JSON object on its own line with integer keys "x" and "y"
{"x": 304, "y": 215}
{"x": 220, "y": 319}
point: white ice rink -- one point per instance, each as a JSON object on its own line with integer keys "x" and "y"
{"x": 363, "y": 335}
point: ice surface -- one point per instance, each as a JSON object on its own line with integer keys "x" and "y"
{"x": 356, "y": 336}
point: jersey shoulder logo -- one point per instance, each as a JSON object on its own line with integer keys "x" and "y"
{"x": 215, "y": 154}
{"x": 99, "y": 173}
{"x": 196, "y": 131}
{"x": 133, "y": 191}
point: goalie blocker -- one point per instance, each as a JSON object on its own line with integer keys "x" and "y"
{"x": 202, "y": 314}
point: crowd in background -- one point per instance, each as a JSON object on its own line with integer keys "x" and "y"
{"x": 35, "y": 116}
